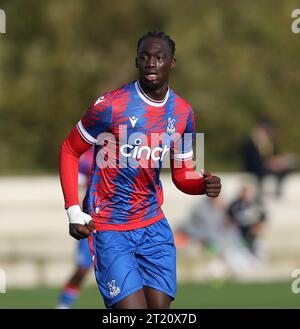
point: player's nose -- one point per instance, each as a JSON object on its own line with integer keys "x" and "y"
{"x": 151, "y": 62}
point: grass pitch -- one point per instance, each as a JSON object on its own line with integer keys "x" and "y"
{"x": 215, "y": 294}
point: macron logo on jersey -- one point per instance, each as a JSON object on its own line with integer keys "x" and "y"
{"x": 133, "y": 121}
{"x": 99, "y": 100}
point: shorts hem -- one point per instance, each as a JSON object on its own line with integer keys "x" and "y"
{"x": 109, "y": 306}
{"x": 168, "y": 292}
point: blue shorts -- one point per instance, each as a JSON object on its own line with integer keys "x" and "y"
{"x": 126, "y": 261}
{"x": 83, "y": 254}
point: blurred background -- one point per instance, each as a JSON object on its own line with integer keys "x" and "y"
{"x": 237, "y": 65}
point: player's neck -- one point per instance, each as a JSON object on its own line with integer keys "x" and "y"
{"x": 157, "y": 94}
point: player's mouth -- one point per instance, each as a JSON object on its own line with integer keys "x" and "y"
{"x": 151, "y": 76}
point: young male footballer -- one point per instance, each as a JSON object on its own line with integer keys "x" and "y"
{"x": 133, "y": 129}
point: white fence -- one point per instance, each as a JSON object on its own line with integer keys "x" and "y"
{"x": 35, "y": 248}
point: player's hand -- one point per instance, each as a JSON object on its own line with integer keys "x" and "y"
{"x": 213, "y": 184}
{"x": 81, "y": 224}
{"x": 79, "y": 231}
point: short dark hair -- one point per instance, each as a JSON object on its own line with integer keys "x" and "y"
{"x": 159, "y": 35}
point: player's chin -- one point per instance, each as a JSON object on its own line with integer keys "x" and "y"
{"x": 151, "y": 84}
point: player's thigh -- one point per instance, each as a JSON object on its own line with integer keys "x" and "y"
{"x": 157, "y": 299}
{"x": 116, "y": 268}
{"x": 137, "y": 300}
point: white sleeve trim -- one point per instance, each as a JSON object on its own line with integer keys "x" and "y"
{"x": 184, "y": 156}
{"x": 85, "y": 135}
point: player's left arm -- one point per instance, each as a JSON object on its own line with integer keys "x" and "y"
{"x": 184, "y": 176}
{"x": 189, "y": 181}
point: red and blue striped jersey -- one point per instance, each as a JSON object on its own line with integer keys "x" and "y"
{"x": 133, "y": 136}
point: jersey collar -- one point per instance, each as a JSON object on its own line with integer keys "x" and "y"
{"x": 149, "y": 100}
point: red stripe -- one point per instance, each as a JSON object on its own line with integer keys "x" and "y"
{"x": 70, "y": 288}
{"x": 91, "y": 246}
{"x": 130, "y": 225}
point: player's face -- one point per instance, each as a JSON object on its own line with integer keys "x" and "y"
{"x": 154, "y": 62}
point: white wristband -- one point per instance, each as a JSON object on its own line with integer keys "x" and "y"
{"x": 77, "y": 216}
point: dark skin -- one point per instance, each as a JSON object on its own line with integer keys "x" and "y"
{"x": 154, "y": 62}
{"x": 213, "y": 184}
{"x": 78, "y": 276}
{"x": 78, "y": 231}
{"x": 154, "y": 57}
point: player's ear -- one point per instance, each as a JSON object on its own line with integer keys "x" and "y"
{"x": 173, "y": 63}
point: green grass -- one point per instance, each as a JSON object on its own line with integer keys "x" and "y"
{"x": 204, "y": 295}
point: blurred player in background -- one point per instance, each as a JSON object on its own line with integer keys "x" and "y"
{"x": 209, "y": 224}
{"x": 133, "y": 128}
{"x": 247, "y": 214}
{"x": 205, "y": 224}
{"x": 261, "y": 156}
{"x": 84, "y": 260}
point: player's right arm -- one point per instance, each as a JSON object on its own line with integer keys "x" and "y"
{"x": 70, "y": 152}
{"x": 96, "y": 121}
